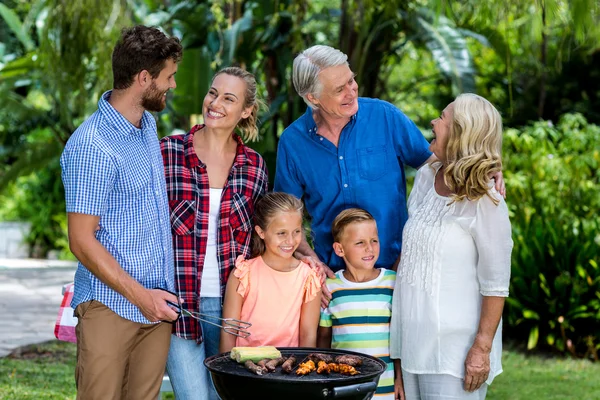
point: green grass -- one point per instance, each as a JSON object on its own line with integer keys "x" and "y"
{"x": 543, "y": 378}
{"x": 45, "y": 371}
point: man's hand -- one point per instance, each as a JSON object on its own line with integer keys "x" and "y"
{"x": 500, "y": 186}
{"x": 324, "y": 272}
{"x": 153, "y": 305}
{"x": 477, "y": 368}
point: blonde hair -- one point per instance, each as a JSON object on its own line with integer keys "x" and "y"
{"x": 247, "y": 126}
{"x": 265, "y": 210}
{"x": 474, "y": 149}
{"x": 347, "y": 217}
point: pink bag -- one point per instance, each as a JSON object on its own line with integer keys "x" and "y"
{"x": 66, "y": 321}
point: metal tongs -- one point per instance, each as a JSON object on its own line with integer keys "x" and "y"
{"x": 232, "y": 326}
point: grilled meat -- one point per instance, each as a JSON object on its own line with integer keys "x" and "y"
{"x": 288, "y": 364}
{"x": 354, "y": 361}
{"x": 322, "y": 368}
{"x": 274, "y": 363}
{"x": 250, "y": 366}
{"x": 316, "y": 357}
{"x": 306, "y": 368}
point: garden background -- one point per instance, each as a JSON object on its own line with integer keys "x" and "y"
{"x": 538, "y": 61}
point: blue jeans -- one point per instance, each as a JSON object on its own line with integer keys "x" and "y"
{"x": 185, "y": 364}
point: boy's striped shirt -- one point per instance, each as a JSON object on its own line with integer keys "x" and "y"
{"x": 359, "y": 315}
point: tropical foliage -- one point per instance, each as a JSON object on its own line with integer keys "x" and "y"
{"x": 552, "y": 176}
{"x": 535, "y": 60}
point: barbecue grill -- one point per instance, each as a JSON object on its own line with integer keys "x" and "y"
{"x": 234, "y": 382}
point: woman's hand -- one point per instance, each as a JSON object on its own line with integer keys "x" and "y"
{"x": 500, "y": 186}
{"x": 398, "y": 381}
{"x": 477, "y": 367}
{"x": 399, "y": 389}
{"x": 324, "y": 272}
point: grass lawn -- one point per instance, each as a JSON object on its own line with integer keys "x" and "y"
{"x": 535, "y": 377}
{"x": 46, "y": 372}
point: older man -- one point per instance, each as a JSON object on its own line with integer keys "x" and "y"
{"x": 344, "y": 152}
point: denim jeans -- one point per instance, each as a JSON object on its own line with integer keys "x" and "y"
{"x": 185, "y": 364}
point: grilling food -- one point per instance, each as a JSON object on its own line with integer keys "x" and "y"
{"x": 306, "y": 368}
{"x": 322, "y": 367}
{"x": 258, "y": 370}
{"x": 254, "y": 354}
{"x": 316, "y": 357}
{"x": 353, "y": 361}
{"x": 343, "y": 369}
{"x": 288, "y": 364}
{"x": 263, "y": 363}
{"x": 271, "y": 365}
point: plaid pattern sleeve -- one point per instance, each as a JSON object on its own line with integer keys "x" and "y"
{"x": 189, "y": 194}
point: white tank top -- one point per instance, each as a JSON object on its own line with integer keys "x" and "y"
{"x": 211, "y": 283}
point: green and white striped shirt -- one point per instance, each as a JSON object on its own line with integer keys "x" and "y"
{"x": 359, "y": 314}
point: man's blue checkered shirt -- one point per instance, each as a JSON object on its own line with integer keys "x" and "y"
{"x": 114, "y": 170}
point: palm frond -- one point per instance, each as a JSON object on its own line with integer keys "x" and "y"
{"x": 36, "y": 157}
{"x": 448, "y": 48}
{"x": 15, "y": 24}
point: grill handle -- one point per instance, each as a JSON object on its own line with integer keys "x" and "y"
{"x": 351, "y": 390}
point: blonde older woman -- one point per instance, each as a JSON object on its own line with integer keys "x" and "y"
{"x": 455, "y": 268}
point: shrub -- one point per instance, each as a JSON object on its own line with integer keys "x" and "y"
{"x": 38, "y": 198}
{"x": 553, "y": 191}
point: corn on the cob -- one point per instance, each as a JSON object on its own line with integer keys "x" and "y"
{"x": 255, "y": 354}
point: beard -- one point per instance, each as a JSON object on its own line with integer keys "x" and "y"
{"x": 153, "y": 99}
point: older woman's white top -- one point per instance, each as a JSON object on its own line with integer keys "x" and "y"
{"x": 452, "y": 255}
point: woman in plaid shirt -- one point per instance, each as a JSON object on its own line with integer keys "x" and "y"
{"x": 213, "y": 181}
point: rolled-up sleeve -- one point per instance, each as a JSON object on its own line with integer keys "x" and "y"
{"x": 88, "y": 176}
{"x": 492, "y": 234}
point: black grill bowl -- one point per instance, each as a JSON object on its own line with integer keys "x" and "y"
{"x": 234, "y": 382}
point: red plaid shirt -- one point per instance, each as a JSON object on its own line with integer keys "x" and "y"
{"x": 188, "y": 192}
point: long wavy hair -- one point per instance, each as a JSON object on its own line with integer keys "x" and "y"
{"x": 474, "y": 150}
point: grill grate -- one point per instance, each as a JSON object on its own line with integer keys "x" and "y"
{"x": 371, "y": 366}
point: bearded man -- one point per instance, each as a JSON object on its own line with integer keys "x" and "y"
{"x": 119, "y": 229}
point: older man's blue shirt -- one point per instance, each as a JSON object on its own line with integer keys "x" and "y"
{"x": 114, "y": 170}
{"x": 365, "y": 170}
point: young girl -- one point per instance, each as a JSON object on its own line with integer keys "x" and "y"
{"x": 278, "y": 294}
{"x": 359, "y": 313}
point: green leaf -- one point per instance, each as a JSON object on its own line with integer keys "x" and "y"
{"x": 35, "y": 158}
{"x": 529, "y": 314}
{"x": 448, "y": 48}
{"x": 194, "y": 76}
{"x": 14, "y": 23}
{"x": 534, "y": 334}
{"x": 231, "y": 37}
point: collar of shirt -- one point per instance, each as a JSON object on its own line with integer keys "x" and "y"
{"x": 311, "y": 125}
{"x": 193, "y": 160}
{"x": 121, "y": 124}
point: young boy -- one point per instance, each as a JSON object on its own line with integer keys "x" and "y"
{"x": 359, "y": 313}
